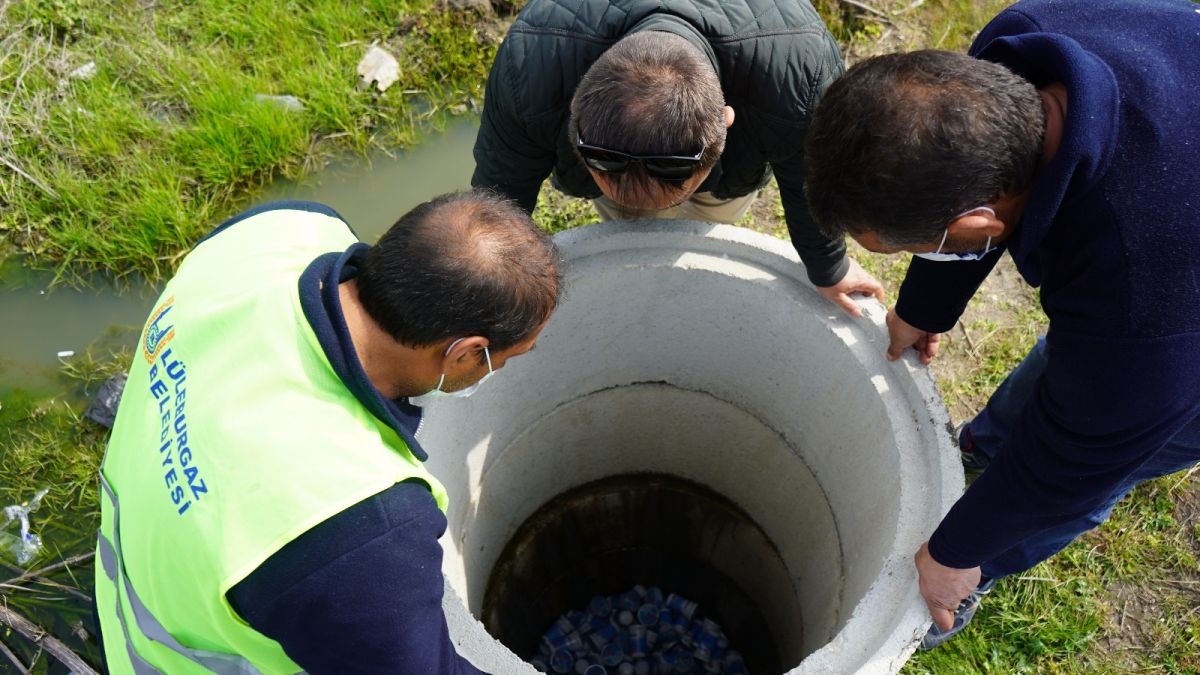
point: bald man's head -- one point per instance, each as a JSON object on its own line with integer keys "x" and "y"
{"x": 468, "y": 263}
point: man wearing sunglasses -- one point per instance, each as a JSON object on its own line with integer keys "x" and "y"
{"x": 1069, "y": 137}
{"x": 632, "y": 105}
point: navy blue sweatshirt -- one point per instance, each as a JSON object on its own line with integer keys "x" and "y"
{"x": 362, "y": 591}
{"x": 1111, "y": 234}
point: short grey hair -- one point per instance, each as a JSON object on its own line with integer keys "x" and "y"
{"x": 651, "y": 93}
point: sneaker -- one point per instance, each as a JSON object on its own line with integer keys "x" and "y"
{"x": 962, "y": 616}
{"x": 974, "y": 461}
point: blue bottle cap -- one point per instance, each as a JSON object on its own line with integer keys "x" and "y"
{"x": 611, "y": 655}
{"x": 562, "y": 661}
{"x": 647, "y": 614}
{"x": 598, "y": 639}
{"x": 549, "y": 644}
{"x": 558, "y": 629}
{"x": 629, "y": 600}
{"x": 640, "y": 643}
{"x": 606, "y": 629}
{"x": 654, "y": 595}
{"x": 625, "y": 641}
{"x": 595, "y": 669}
{"x": 689, "y": 609}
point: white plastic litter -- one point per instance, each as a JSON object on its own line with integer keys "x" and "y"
{"x": 379, "y": 67}
{"x": 85, "y": 72}
{"x": 287, "y": 102}
{"x": 25, "y": 546}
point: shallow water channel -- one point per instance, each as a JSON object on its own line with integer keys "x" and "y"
{"x": 39, "y": 324}
{"x": 44, "y": 326}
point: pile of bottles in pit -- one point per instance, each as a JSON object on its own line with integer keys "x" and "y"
{"x": 638, "y": 632}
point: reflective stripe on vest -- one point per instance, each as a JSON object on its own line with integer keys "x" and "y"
{"x": 114, "y": 569}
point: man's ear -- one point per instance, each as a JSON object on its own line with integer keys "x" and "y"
{"x": 464, "y": 356}
{"x": 977, "y": 223}
{"x": 728, "y": 112}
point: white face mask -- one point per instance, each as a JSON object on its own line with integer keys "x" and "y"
{"x": 938, "y": 256}
{"x": 437, "y": 392}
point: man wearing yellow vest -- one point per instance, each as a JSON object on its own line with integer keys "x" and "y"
{"x": 264, "y": 507}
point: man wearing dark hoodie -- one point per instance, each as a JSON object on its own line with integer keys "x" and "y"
{"x": 1067, "y": 137}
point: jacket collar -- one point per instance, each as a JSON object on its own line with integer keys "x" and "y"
{"x": 1089, "y": 132}
{"x": 668, "y": 23}
{"x": 323, "y": 308}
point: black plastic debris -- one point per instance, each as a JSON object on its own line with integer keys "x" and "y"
{"x": 103, "y": 408}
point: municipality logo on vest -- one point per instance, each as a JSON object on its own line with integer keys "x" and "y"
{"x": 157, "y": 335}
{"x": 168, "y": 388}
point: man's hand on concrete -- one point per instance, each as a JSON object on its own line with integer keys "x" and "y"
{"x": 857, "y": 280}
{"x": 903, "y": 335}
{"x": 943, "y": 587}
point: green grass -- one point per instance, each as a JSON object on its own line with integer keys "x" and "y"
{"x": 126, "y": 169}
{"x": 556, "y": 212}
{"x": 46, "y": 443}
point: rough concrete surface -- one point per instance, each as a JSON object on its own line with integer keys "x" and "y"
{"x": 702, "y": 351}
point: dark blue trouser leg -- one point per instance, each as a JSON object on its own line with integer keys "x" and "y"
{"x": 990, "y": 431}
{"x": 1182, "y": 452}
{"x": 991, "y": 427}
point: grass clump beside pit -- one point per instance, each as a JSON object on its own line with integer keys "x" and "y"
{"x": 47, "y": 443}
{"x": 123, "y": 170}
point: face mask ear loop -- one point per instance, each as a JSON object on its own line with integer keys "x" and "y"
{"x": 443, "y": 377}
{"x": 488, "y": 356}
{"x": 943, "y": 241}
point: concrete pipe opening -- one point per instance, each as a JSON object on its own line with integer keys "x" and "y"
{"x": 697, "y": 417}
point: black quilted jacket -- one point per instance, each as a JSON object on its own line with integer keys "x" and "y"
{"x": 774, "y": 58}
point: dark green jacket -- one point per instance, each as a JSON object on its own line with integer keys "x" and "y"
{"x": 774, "y": 58}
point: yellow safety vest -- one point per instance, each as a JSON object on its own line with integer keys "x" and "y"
{"x": 234, "y": 436}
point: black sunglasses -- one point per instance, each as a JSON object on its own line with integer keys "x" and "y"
{"x": 665, "y": 167}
